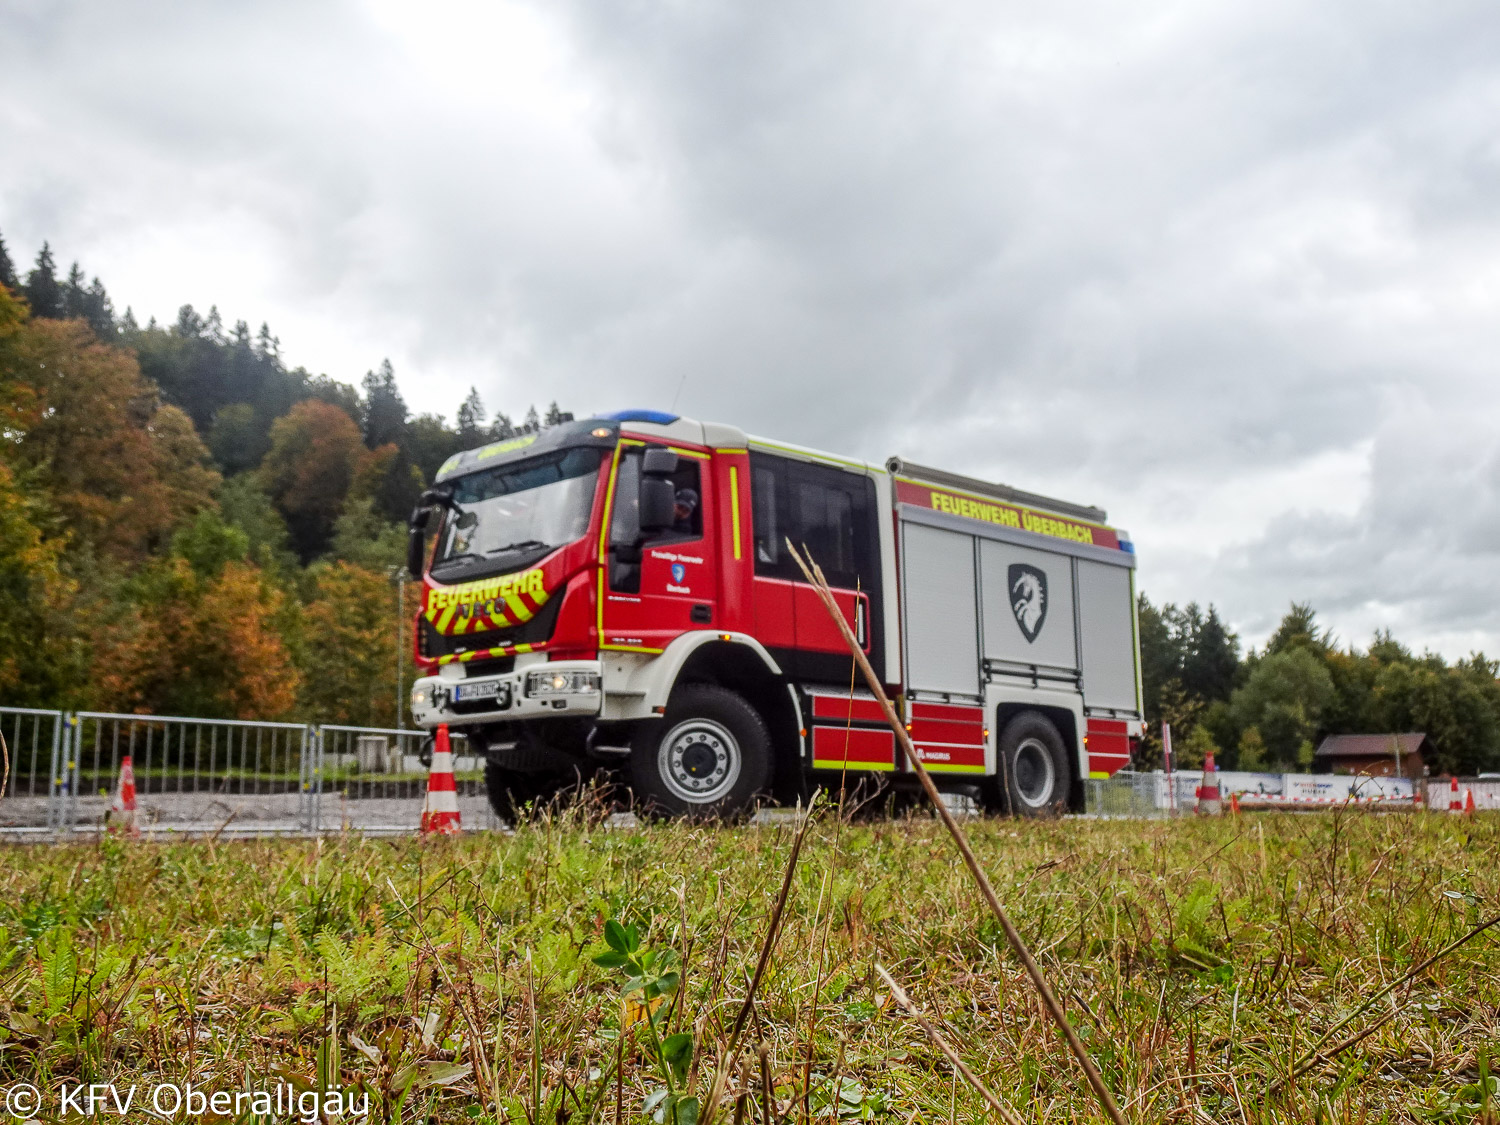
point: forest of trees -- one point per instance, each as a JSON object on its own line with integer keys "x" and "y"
{"x": 1270, "y": 709}
{"x": 189, "y": 526}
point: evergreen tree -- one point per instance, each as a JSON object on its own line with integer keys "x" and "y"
{"x": 189, "y": 324}
{"x": 533, "y": 422}
{"x": 384, "y": 411}
{"x": 43, "y": 293}
{"x": 1299, "y": 629}
{"x": 8, "y": 270}
{"x": 555, "y": 416}
{"x": 266, "y": 345}
{"x": 99, "y": 311}
{"x": 432, "y": 443}
{"x": 471, "y": 430}
{"x": 75, "y": 292}
{"x": 502, "y": 427}
{"x": 1212, "y": 659}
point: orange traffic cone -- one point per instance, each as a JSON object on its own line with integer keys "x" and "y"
{"x": 440, "y": 809}
{"x": 1454, "y": 804}
{"x": 1234, "y": 803}
{"x": 1209, "y": 803}
{"x": 1468, "y": 802}
{"x": 122, "y": 807}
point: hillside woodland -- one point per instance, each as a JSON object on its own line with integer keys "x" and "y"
{"x": 190, "y": 526}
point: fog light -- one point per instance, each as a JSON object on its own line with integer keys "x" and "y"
{"x": 560, "y": 682}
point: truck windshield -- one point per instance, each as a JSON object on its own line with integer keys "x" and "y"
{"x": 511, "y": 514}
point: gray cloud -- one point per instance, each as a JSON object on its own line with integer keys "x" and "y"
{"x": 1230, "y": 271}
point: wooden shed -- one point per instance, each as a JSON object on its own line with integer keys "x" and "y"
{"x": 1374, "y": 755}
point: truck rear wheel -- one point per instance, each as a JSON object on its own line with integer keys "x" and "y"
{"x": 512, "y": 792}
{"x": 708, "y": 756}
{"x": 1035, "y": 774}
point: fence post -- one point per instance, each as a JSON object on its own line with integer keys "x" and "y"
{"x": 312, "y": 777}
{"x": 317, "y": 789}
{"x": 58, "y": 722}
{"x": 304, "y": 779}
{"x": 60, "y": 787}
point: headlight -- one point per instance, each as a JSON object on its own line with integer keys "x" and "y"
{"x": 419, "y": 697}
{"x": 561, "y": 683}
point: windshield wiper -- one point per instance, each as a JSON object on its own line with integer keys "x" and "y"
{"x": 523, "y": 545}
{"x": 455, "y": 558}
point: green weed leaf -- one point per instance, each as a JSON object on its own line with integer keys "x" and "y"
{"x": 677, "y": 1051}
{"x": 616, "y": 937}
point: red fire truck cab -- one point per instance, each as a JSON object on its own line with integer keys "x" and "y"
{"x": 616, "y": 593}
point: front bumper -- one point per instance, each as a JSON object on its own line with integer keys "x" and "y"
{"x": 436, "y": 700}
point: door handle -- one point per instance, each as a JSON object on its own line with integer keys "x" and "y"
{"x": 859, "y": 621}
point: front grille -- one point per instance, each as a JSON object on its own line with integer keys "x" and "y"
{"x": 479, "y": 706}
{"x": 432, "y": 644}
{"x": 496, "y": 667}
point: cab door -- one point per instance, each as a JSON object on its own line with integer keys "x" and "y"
{"x": 830, "y": 513}
{"x": 658, "y": 588}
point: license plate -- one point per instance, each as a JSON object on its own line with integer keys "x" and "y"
{"x": 480, "y": 691}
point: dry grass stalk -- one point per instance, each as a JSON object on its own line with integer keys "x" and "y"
{"x": 1006, "y": 1113}
{"x": 1106, "y": 1100}
{"x": 731, "y": 1053}
{"x": 1317, "y": 1055}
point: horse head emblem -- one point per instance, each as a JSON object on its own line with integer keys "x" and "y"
{"x": 1028, "y": 598}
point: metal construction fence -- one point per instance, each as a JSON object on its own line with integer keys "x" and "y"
{"x": 372, "y": 780}
{"x": 225, "y": 776}
{"x": 1158, "y": 794}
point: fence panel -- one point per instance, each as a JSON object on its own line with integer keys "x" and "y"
{"x": 1141, "y": 795}
{"x": 372, "y": 779}
{"x": 33, "y": 741}
{"x": 191, "y": 775}
{"x": 1486, "y": 791}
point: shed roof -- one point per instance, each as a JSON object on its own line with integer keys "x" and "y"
{"x": 1372, "y": 745}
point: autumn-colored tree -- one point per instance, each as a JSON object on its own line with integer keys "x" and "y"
{"x": 199, "y": 645}
{"x": 121, "y": 471}
{"x": 316, "y": 455}
{"x": 38, "y": 656}
{"x": 353, "y": 634}
{"x": 18, "y": 403}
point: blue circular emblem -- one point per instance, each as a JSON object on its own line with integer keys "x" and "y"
{"x": 679, "y": 572}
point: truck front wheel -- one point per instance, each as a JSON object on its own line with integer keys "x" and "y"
{"x": 708, "y": 756}
{"x": 1035, "y": 775}
{"x": 514, "y": 794}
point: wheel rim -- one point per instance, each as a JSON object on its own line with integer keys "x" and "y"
{"x": 699, "y": 761}
{"x": 1036, "y": 773}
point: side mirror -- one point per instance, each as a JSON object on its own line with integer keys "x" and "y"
{"x": 416, "y": 540}
{"x": 658, "y": 501}
{"x": 658, "y": 462}
{"x": 442, "y": 497}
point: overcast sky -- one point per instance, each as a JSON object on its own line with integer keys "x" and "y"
{"x": 1228, "y": 270}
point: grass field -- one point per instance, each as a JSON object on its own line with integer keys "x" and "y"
{"x": 455, "y": 980}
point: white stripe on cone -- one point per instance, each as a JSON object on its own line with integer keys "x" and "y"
{"x": 440, "y": 809}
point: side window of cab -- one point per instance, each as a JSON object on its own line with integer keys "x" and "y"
{"x": 625, "y": 540}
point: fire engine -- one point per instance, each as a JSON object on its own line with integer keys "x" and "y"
{"x": 616, "y": 593}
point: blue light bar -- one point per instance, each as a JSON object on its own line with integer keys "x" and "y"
{"x": 656, "y": 417}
